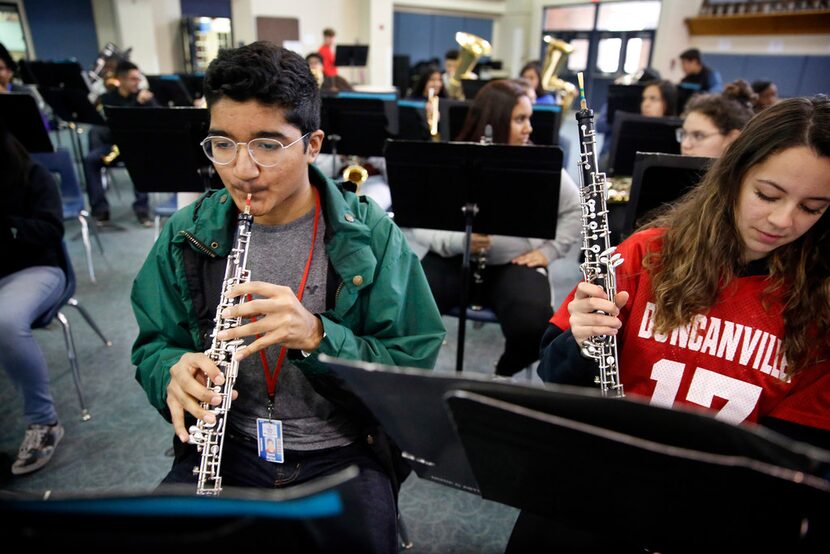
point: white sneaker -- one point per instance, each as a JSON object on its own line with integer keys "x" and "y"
{"x": 37, "y": 448}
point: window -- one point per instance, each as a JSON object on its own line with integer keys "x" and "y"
{"x": 578, "y": 60}
{"x": 608, "y": 55}
{"x": 628, "y": 16}
{"x": 571, "y": 18}
{"x": 11, "y": 32}
{"x": 636, "y": 54}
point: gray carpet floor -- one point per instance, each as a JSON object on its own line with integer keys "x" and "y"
{"x": 124, "y": 447}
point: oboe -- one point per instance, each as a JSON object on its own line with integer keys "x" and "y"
{"x": 477, "y": 292}
{"x": 209, "y": 438}
{"x": 600, "y": 261}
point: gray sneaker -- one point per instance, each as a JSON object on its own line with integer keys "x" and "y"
{"x": 37, "y": 448}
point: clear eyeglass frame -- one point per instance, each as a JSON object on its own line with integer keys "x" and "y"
{"x": 207, "y": 146}
{"x": 695, "y": 136}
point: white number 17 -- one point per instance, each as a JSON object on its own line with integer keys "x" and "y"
{"x": 741, "y": 397}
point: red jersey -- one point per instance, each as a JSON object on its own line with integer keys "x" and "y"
{"x": 728, "y": 359}
{"x": 329, "y": 69}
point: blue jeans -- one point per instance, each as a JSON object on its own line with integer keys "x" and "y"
{"x": 242, "y": 467}
{"x": 24, "y": 296}
{"x": 100, "y": 144}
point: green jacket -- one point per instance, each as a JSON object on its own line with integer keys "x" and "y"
{"x": 383, "y": 310}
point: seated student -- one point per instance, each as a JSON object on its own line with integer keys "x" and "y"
{"x": 532, "y": 72}
{"x": 516, "y": 283}
{"x": 767, "y": 92}
{"x": 128, "y": 94}
{"x": 366, "y": 297}
{"x": 333, "y": 83}
{"x": 698, "y": 78}
{"x": 743, "y": 254}
{"x": 711, "y": 122}
{"x": 450, "y": 66}
{"x": 31, "y": 282}
{"x": 659, "y": 99}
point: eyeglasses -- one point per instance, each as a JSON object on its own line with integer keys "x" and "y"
{"x": 693, "y": 136}
{"x": 265, "y": 152}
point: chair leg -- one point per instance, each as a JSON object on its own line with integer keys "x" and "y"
{"x": 74, "y": 303}
{"x": 73, "y": 364}
{"x": 403, "y": 535}
{"x": 87, "y": 246}
{"x": 94, "y": 231}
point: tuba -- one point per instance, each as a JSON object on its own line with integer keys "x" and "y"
{"x": 472, "y": 48}
{"x": 556, "y": 59}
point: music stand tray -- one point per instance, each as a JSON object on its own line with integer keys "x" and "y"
{"x": 666, "y": 480}
{"x": 72, "y": 104}
{"x": 358, "y": 124}
{"x": 660, "y": 179}
{"x": 354, "y": 55}
{"x": 634, "y": 133}
{"x": 160, "y": 147}
{"x": 22, "y": 117}
{"x": 173, "y": 514}
{"x": 169, "y": 90}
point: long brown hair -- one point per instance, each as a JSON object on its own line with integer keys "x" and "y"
{"x": 702, "y": 249}
{"x": 493, "y": 105}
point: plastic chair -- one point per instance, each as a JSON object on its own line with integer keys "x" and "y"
{"x": 164, "y": 209}
{"x": 54, "y": 312}
{"x": 72, "y": 198}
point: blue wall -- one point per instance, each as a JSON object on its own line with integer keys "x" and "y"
{"x": 206, "y": 8}
{"x": 422, "y": 37}
{"x": 63, "y": 30}
{"x": 793, "y": 75}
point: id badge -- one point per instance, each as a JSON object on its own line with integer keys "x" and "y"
{"x": 269, "y": 440}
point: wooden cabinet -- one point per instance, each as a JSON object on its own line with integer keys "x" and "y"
{"x": 801, "y": 22}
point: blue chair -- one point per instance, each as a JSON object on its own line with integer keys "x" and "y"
{"x": 164, "y": 209}
{"x": 54, "y": 312}
{"x": 60, "y": 162}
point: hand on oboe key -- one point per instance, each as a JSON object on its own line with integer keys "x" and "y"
{"x": 586, "y": 318}
{"x": 188, "y": 388}
{"x": 280, "y": 319}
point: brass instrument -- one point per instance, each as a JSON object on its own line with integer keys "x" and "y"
{"x": 433, "y": 115}
{"x": 556, "y": 58}
{"x": 318, "y": 75}
{"x": 111, "y": 155}
{"x": 472, "y": 48}
{"x": 355, "y": 173}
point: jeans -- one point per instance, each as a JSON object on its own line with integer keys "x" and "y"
{"x": 25, "y": 295}
{"x": 242, "y": 467}
{"x": 100, "y": 144}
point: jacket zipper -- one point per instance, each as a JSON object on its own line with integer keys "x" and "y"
{"x": 201, "y": 247}
{"x": 337, "y": 292}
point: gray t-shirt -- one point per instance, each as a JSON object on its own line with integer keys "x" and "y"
{"x": 278, "y": 254}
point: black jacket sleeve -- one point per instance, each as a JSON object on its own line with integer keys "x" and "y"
{"x": 561, "y": 362}
{"x": 40, "y": 225}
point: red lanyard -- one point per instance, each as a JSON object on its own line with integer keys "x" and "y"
{"x": 271, "y": 379}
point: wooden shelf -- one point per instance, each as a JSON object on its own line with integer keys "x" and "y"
{"x": 797, "y": 23}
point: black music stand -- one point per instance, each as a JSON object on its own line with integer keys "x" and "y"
{"x": 660, "y": 179}
{"x": 22, "y": 118}
{"x": 357, "y": 124}
{"x": 665, "y": 480}
{"x": 412, "y": 120}
{"x": 46, "y": 74}
{"x": 453, "y": 115}
{"x": 546, "y": 121}
{"x": 319, "y": 516}
{"x": 351, "y": 55}
{"x": 161, "y": 147}
{"x": 169, "y": 90}
{"x": 624, "y": 98}
{"x": 472, "y": 86}
{"x": 461, "y": 185}
{"x": 409, "y": 405}
{"x": 639, "y": 133}
{"x": 194, "y": 82}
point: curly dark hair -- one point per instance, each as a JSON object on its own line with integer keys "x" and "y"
{"x": 728, "y": 111}
{"x": 272, "y": 76}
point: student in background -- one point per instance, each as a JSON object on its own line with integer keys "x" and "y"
{"x": 767, "y": 92}
{"x": 31, "y": 282}
{"x": 532, "y": 72}
{"x": 327, "y": 53}
{"x": 711, "y": 122}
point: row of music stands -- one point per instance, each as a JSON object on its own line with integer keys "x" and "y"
{"x": 669, "y": 480}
